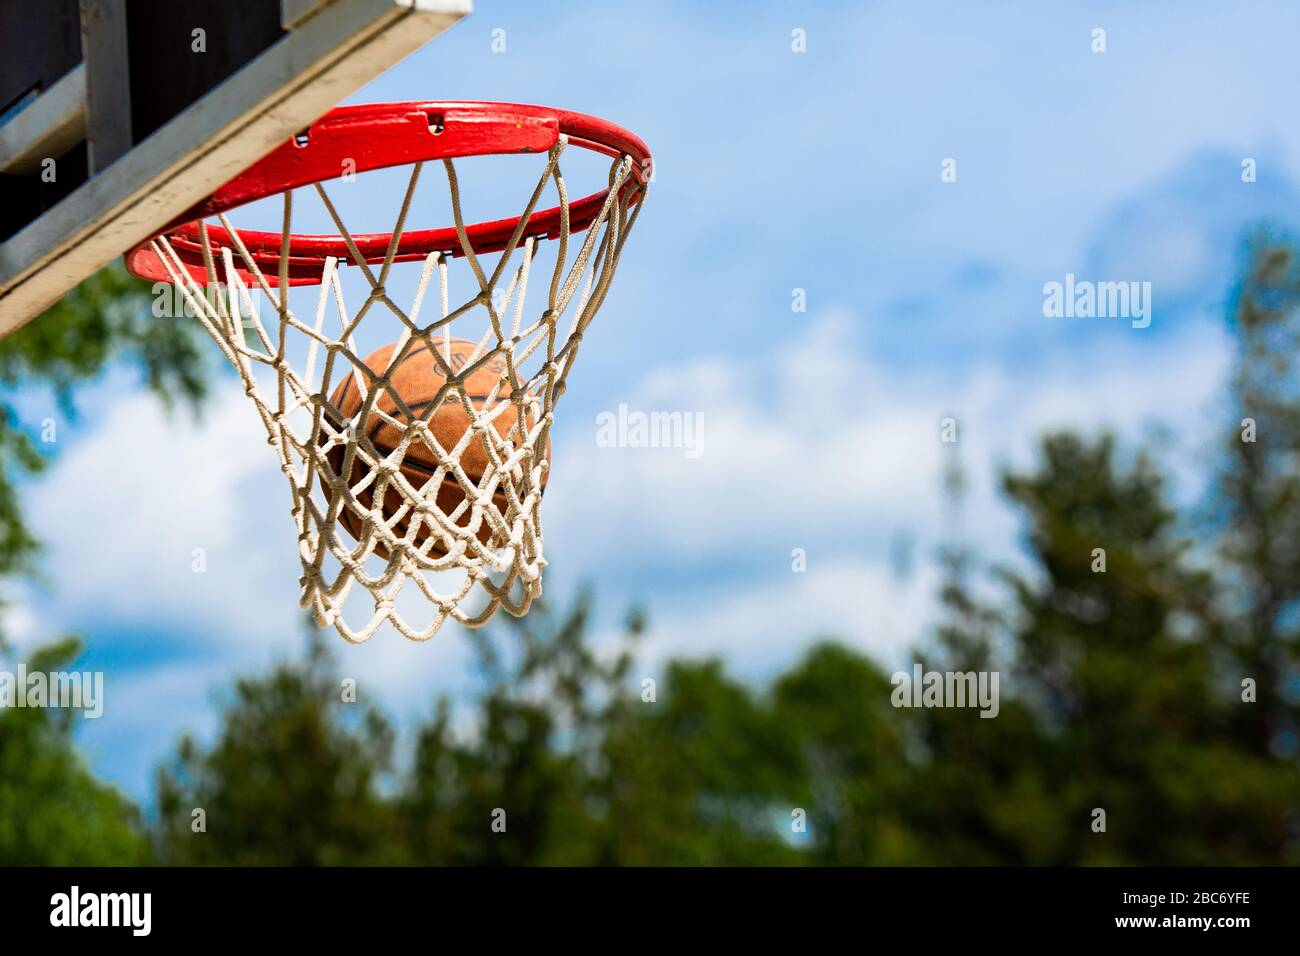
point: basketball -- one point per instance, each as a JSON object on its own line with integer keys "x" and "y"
{"x": 417, "y": 379}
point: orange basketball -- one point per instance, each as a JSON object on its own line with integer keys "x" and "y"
{"x": 417, "y": 379}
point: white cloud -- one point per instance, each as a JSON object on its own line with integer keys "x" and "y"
{"x": 126, "y": 505}
{"x": 19, "y": 623}
{"x": 814, "y": 445}
{"x": 761, "y": 625}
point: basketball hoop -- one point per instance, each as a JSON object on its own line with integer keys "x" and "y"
{"x": 439, "y": 490}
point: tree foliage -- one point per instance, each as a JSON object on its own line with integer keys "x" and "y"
{"x": 53, "y": 812}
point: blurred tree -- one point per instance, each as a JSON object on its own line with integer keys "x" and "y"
{"x": 1115, "y": 667}
{"x": 1260, "y": 504}
{"x": 855, "y": 770}
{"x": 1097, "y": 657}
{"x": 294, "y": 778}
{"x": 53, "y": 812}
{"x": 527, "y": 756}
{"x": 706, "y": 774}
{"x": 589, "y": 772}
{"x": 976, "y": 791}
{"x": 1107, "y": 700}
{"x": 584, "y": 771}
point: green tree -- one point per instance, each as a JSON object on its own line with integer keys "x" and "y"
{"x": 1259, "y": 508}
{"x": 854, "y": 773}
{"x": 537, "y": 717}
{"x": 1115, "y": 670}
{"x": 53, "y": 812}
{"x": 707, "y": 774}
{"x": 293, "y": 779}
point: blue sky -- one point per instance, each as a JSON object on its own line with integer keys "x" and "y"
{"x": 776, "y": 171}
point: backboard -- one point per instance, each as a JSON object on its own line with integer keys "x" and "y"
{"x": 118, "y": 115}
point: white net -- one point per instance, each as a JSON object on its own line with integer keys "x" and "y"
{"x": 417, "y": 468}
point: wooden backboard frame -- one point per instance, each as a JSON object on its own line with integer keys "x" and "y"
{"x": 332, "y": 48}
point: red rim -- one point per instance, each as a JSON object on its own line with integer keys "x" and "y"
{"x": 383, "y": 135}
